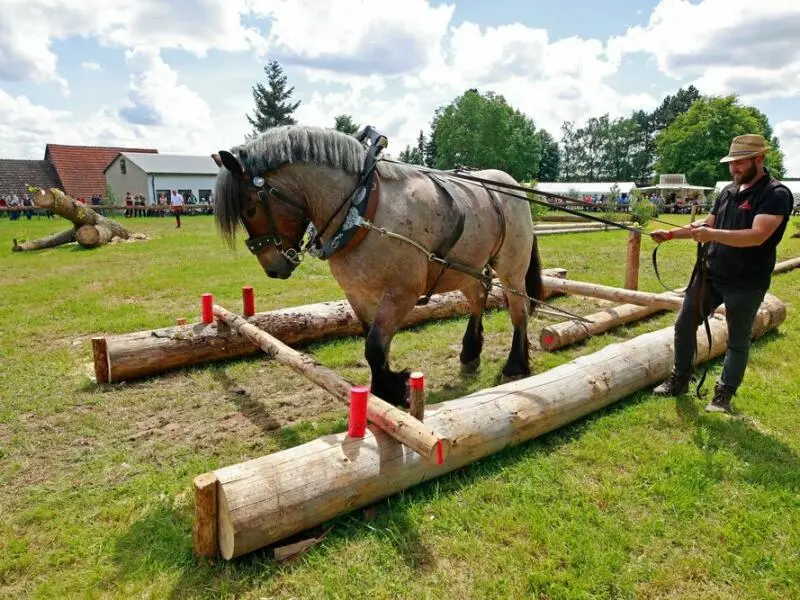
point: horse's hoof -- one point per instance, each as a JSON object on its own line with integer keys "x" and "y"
{"x": 469, "y": 368}
{"x": 508, "y": 378}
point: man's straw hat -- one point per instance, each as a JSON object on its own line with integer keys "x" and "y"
{"x": 746, "y": 146}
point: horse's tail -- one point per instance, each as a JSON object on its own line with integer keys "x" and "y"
{"x": 533, "y": 278}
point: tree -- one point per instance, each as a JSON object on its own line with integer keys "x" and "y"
{"x": 272, "y": 101}
{"x": 483, "y": 131}
{"x": 345, "y": 124}
{"x": 551, "y": 160}
{"x": 411, "y": 156}
{"x": 698, "y": 138}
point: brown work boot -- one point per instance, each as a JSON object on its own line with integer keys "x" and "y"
{"x": 721, "y": 402}
{"x": 675, "y": 385}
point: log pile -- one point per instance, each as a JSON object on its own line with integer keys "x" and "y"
{"x": 265, "y": 500}
{"x": 89, "y": 228}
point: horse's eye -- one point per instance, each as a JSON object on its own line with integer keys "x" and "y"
{"x": 250, "y": 212}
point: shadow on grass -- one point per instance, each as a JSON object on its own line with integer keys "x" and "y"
{"x": 770, "y": 463}
{"x": 250, "y": 408}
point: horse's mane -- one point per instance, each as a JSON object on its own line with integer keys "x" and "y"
{"x": 283, "y": 145}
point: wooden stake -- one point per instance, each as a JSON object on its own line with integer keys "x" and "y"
{"x": 392, "y": 420}
{"x": 100, "y": 351}
{"x": 632, "y": 260}
{"x": 416, "y": 383}
{"x": 206, "y": 542}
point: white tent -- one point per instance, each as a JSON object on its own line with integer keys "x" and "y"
{"x": 564, "y": 188}
{"x": 792, "y": 185}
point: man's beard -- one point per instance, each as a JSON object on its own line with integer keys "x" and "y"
{"x": 748, "y": 176}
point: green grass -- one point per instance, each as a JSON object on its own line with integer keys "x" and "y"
{"x": 648, "y": 498}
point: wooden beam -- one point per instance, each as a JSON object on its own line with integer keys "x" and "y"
{"x": 265, "y": 500}
{"x": 398, "y": 424}
{"x": 594, "y": 290}
{"x": 632, "y": 254}
{"x": 787, "y": 265}
{"x": 206, "y": 541}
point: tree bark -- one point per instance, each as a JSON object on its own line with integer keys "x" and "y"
{"x": 267, "y": 499}
{"x": 51, "y": 241}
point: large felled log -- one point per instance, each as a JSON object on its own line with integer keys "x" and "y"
{"x": 80, "y": 214}
{"x": 51, "y": 241}
{"x": 144, "y": 353}
{"x": 267, "y": 499}
{"x": 91, "y": 236}
{"x": 401, "y": 426}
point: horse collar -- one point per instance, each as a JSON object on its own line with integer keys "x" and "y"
{"x": 363, "y": 205}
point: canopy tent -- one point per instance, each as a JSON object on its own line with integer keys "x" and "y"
{"x": 794, "y": 186}
{"x": 676, "y": 182}
{"x": 565, "y": 188}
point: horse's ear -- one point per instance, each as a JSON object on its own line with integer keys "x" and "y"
{"x": 217, "y": 159}
{"x": 230, "y": 162}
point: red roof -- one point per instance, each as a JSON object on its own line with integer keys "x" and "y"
{"x": 80, "y": 168}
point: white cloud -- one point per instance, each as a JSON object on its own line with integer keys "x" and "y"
{"x": 788, "y": 133}
{"x": 723, "y": 46}
{"x": 353, "y": 36}
{"x": 91, "y": 66}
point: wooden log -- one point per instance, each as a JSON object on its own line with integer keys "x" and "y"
{"x": 92, "y": 236}
{"x": 555, "y": 337}
{"x": 100, "y": 351}
{"x": 80, "y": 214}
{"x": 787, "y": 265}
{"x": 145, "y": 353}
{"x": 634, "y": 249}
{"x": 595, "y": 290}
{"x": 206, "y": 540}
{"x": 587, "y": 229}
{"x": 51, "y": 241}
{"x": 265, "y": 500}
{"x": 398, "y": 424}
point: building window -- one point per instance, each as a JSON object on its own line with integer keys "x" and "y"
{"x": 122, "y": 166}
{"x": 205, "y": 196}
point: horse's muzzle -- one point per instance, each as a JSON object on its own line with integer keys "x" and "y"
{"x": 278, "y": 274}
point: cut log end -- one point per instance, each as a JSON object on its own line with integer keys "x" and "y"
{"x": 205, "y": 513}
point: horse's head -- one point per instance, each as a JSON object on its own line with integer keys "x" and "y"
{"x": 275, "y": 219}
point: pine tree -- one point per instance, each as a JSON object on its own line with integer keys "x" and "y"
{"x": 345, "y": 124}
{"x": 273, "y": 107}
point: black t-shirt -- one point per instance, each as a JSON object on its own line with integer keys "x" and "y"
{"x": 748, "y": 267}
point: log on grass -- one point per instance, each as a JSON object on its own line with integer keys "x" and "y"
{"x": 143, "y": 353}
{"x": 80, "y": 214}
{"x": 559, "y": 231}
{"x": 92, "y": 236}
{"x": 595, "y": 290}
{"x": 787, "y": 265}
{"x": 265, "y": 500}
{"x": 398, "y": 424}
{"x": 51, "y": 241}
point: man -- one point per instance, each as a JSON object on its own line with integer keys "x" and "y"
{"x": 742, "y": 231}
{"x": 176, "y": 200}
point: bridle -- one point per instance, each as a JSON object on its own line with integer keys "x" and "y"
{"x": 293, "y": 253}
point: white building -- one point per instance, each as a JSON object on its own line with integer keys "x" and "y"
{"x": 153, "y": 175}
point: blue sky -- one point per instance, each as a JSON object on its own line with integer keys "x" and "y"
{"x": 177, "y": 76}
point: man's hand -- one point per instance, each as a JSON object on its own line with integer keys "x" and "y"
{"x": 660, "y": 235}
{"x": 701, "y": 235}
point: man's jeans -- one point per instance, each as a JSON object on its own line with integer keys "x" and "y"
{"x": 741, "y": 306}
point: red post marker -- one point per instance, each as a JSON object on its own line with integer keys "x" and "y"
{"x": 207, "y": 305}
{"x": 358, "y": 411}
{"x": 248, "y": 301}
{"x": 548, "y": 339}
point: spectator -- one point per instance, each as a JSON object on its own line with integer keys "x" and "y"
{"x": 26, "y": 201}
{"x": 176, "y": 201}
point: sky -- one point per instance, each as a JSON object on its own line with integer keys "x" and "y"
{"x": 177, "y": 76}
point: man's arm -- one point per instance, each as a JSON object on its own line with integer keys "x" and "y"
{"x": 683, "y": 233}
{"x": 763, "y": 226}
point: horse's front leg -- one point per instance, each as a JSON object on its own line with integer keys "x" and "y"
{"x": 386, "y": 384}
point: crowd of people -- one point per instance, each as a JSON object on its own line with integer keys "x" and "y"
{"x": 12, "y": 201}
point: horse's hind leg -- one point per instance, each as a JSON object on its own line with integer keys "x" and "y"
{"x": 472, "y": 342}
{"x": 386, "y": 384}
{"x": 518, "y": 364}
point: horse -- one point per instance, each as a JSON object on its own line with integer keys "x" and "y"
{"x": 275, "y": 184}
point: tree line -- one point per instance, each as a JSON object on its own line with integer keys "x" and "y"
{"x": 687, "y": 133}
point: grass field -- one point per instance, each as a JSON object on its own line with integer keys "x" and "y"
{"x": 649, "y": 498}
